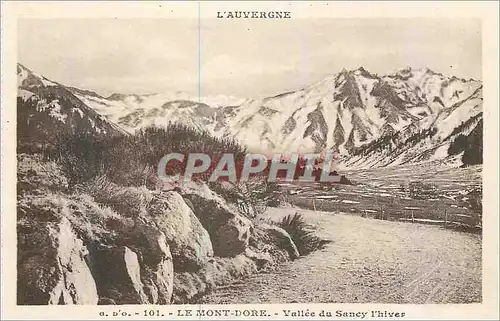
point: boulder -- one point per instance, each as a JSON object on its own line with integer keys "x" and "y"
{"x": 231, "y": 238}
{"x": 137, "y": 270}
{"x": 51, "y": 265}
{"x": 189, "y": 241}
{"x": 189, "y": 287}
{"x": 158, "y": 282}
{"x": 261, "y": 259}
{"x": 151, "y": 242}
{"x": 282, "y": 239}
{"x": 157, "y": 269}
{"x": 118, "y": 275}
{"x": 229, "y": 231}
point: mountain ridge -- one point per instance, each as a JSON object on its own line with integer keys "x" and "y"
{"x": 343, "y": 112}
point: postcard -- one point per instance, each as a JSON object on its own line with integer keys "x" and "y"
{"x": 249, "y": 160}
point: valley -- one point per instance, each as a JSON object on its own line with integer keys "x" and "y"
{"x": 407, "y": 230}
{"x": 444, "y": 197}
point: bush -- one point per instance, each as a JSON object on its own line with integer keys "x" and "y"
{"x": 474, "y": 200}
{"x": 35, "y": 175}
{"x": 132, "y": 160}
{"x": 301, "y": 234}
{"x": 128, "y": 201}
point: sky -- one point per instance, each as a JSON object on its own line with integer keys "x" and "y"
{"x": 242, "y": 58}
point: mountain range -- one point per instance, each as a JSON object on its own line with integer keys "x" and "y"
{"x": 409, "y": 116}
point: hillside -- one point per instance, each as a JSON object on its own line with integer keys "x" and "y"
{"x": 408, "y": 116}
{"x": 95, "y": 225}
{"x": 48, "y": 111}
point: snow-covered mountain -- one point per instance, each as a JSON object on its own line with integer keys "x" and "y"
{"x": 48, "y": 111}
{"x": 408, "y": 116}
{"x": 133, "y": 112}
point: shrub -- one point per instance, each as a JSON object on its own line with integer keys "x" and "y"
{"x": 90, "y": 220}
{"x": 474, "y": 200}
{"x": 128, "y": 201}
{"x": 36, "y": 175}
{"x": 301, "y": 234}
{"x": 257, "y": 194}
{"x": 131, "y": 160}
{"x": 81, "y": 156}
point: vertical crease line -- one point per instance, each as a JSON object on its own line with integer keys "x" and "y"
{"x": 199, "y": 52}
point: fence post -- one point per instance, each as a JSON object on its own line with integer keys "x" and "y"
{"x": 412, "y": 217}
{"x": 314, "y": 204}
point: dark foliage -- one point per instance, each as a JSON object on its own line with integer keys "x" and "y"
{"x": 133, "y": 160}
{"x": 471, "y": 145}
{"x": 464, "y": 125}
{"x": 473, "y": 153}
{"x": 393, "y": 142}
{"x": 301, "y": 234}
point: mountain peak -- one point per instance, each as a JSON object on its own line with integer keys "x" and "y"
{"x": 412, "y": 70}
{"x": 116, "y": 96}
{"x": 27, "y": 78}
{"x": 365, "y": 73}
{"x": 360, "y": 71}
{"x": 21, "y": 68}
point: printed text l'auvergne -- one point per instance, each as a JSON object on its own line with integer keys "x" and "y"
{"x": 254, "y": 15}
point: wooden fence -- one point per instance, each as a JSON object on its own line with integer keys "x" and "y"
{"x": 445, "y": 217}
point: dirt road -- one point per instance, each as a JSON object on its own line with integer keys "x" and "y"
{"x": 369, "y": 261}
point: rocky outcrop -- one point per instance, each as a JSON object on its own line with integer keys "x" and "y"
{"x": 139, "y": 271}
{"x": 126, "y": 262}
{"x": 128, "y": 245}
{"x": 282, "y": 239}
{"x": 156, "y": 263}
{"x": 189, "y": 242}
{"x": 118, "y": 275}
{"x": 51, "y": 265}
{"x": 188, "y": 287}
{"x": 229, "y": 231}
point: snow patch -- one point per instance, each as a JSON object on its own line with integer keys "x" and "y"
{"x": 77, "y": 110}
{"x": 55, "y": 111}
{"x": 25, "y": 95}
{"x": 349, "y": 202}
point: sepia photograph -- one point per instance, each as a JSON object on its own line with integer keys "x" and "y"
{"x": 249, "y": 156}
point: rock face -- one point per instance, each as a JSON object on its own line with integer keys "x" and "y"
{"x": 189, "y": 242}
{"x": 118, "y": 275}
{"x": 139, "y": 272}
{"x": 109, "y": 244}
{"x": 52, "y": 267}
{"x": 231, "y": 238}
{"x": 157, "y": 265}
{"x": 281, "y": 238}
{"x": 229, "y": 231}
{"x": 188, "y": 287}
